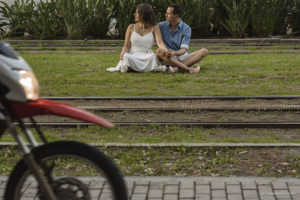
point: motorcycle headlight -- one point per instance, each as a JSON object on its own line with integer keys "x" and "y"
{"x": 30, "y": 84}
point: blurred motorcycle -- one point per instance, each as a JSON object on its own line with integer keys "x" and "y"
{"x": 56, "y": 170}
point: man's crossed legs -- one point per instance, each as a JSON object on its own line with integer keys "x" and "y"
{"x": 185, "y": 61}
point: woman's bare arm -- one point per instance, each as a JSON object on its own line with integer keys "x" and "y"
{"x": 158, "y": 38}
{"x": 127, "y": 43}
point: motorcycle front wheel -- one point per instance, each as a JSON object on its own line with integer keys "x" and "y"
{"x": 74, "y": 170}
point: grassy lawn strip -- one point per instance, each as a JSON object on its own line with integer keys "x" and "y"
{"x": 181, "y": 161}
{"x": 169, "y": 134}
{"x": 85, "y": 75}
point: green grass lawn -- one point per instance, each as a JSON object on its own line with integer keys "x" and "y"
{"x": 168, "y": 134}
{"x": 85, "y": 75}
{"x": 254, "y": 74}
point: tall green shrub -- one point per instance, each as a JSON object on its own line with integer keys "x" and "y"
{"x": 47, "y": 23}
{"x": 123, "y": 13}
{"x": 99, "y": 18}
{"x": 238, "y": 13}
{"x": 2, "y": 29}
{"x": 264, "y": 17}
{"x": 283, "y": 10}
{"x": 218, "y": 19}
{"x": 201, "y": 17}
{"x": 16, "y": 17}
{"x": 75, "y": 15}
{"x": 78, "y": 19}
{"x": 271, "y": 17}
{"x": 295, "y": 17}
{"x": 3, "y": 24}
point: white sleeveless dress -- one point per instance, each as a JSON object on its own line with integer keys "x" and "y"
{"x": 140, "y": 58}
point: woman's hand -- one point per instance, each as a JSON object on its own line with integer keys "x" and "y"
{"x": 122, "y": 55}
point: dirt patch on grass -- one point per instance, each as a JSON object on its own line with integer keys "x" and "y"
{"x": 183, "y": 161}
{"x": 283, "y": 162}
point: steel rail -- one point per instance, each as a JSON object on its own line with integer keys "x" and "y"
{"x": 251, "y": 52}
{"x": 3, "y": 144}
{"x": 193, "y": 40}
{"x": 173, "y": 97}
{"x": 210, "y": 45}
{"x": 75, "y": 52}
{"x": 202, "y": 124}
{"x": 206, "y": 107}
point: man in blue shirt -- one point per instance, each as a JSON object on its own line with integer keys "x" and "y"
{"x": 176, "y": 36}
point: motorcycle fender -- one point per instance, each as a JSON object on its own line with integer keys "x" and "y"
{"x": 22, "y": 110}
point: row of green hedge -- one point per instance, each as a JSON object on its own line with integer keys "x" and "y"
{"x": 79, "y": 19}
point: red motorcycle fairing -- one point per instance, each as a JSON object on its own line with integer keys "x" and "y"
{"x": 22, "y": 110}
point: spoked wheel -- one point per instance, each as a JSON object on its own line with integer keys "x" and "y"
{"x": 75, "y": 171}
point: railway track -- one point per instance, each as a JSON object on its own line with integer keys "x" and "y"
{"x": 170, "y": 145}
{"x": 177, "y": 98}
{"x": 186, "y": 124}
{"x": 206, "y": 107}
{"x": 182, "y": 103}
{"x": 201, "y": 106}
{"x": 244, "y": 143}
{"x": 283, "y": 104}
{"x": 215, "y": 46}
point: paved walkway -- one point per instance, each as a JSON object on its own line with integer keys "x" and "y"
{"x": 195, "y": 188}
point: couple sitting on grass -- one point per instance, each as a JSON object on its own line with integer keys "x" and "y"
{"x": 171, "y": 36}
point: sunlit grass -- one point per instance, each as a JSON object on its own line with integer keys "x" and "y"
{"x": 85, "y": 75}
{"x": 185, "y": 161}
{"x": 169, "y": 134}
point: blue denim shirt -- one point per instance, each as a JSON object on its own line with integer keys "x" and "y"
{"x": 178, "y": 39}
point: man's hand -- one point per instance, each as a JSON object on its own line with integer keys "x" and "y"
{"x": 169, "y": 53}
{"x": 165, "y": 53}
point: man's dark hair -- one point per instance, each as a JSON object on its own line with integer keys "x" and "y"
{"x": 177, "y": 10}
{"x": 146, "y": 13}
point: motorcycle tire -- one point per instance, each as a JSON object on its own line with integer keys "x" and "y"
{"x": 65, "y": 184}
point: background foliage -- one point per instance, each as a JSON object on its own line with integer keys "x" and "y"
{"x": 80, "y": 19}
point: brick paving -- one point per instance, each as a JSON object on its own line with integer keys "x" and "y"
{"x": 191, "y": 188}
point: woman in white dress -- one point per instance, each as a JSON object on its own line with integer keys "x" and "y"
{"x": 137, "y": 51}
